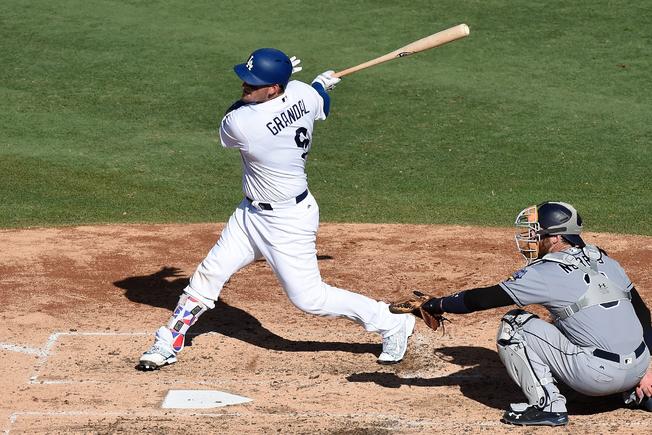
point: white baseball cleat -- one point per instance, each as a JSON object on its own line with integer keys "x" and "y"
{"x": 395, "y": 346}
{"x": 159, "y": 355}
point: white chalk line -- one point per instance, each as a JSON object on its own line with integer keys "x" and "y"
{"x": 261, "y": 415}
{"x": 400, "y": 419}
{"x": 34, "y": 414}
{"x": 21, "y": 349}
{"x": 52, "y": 340}
{"x": 44, "y": 352}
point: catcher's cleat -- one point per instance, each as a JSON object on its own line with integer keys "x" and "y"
{"x": 633, "y": 402}
{"x": 395, "y": 345}
{"x": 159, "y": 355}
{"x": 646, "y": 404}
{"x": 534, "y": 416}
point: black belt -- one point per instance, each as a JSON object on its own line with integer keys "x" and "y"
{"x": 268, "y": 206}
{"x": 614, "y": 356}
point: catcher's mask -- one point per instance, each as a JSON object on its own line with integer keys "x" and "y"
{"x": 546, "y": 219}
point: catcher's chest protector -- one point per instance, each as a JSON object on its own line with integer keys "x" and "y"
{"x": 601, "y": 290}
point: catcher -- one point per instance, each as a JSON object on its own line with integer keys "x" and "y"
{"x": 599, "y": 341}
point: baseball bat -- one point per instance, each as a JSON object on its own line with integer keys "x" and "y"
{"x": 435, "y": 40}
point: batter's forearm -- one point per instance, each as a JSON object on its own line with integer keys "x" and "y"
{"x": 324, "y": 95}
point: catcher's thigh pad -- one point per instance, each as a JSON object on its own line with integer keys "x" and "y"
{"x": 512, "y": 350}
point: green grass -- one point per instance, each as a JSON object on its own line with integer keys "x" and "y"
{"x": 110, "y": 109}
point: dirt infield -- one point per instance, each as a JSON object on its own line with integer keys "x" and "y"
{"x": 79, "y": 305}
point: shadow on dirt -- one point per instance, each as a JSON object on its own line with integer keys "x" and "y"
{"x": 163, "y": 288}
{"x": 484, "y": 379}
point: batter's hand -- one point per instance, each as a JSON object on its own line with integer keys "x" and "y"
{"x": 295, "y": 64}
{"x": 327, "y": 80}
{"x": 644, "y": 387}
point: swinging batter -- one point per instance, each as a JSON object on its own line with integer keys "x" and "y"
{"x": 272, "y": 127}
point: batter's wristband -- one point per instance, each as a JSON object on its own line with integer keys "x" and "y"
{"x": 324, "y": 95}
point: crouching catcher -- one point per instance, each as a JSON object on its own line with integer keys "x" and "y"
{"x": 598, "y": 343}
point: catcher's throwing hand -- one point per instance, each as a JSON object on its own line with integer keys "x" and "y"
{"x": 425, "y": 306}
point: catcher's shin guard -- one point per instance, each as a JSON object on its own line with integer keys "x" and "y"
{"x": 185, "y": 315}
{"x": 512, "y": 350}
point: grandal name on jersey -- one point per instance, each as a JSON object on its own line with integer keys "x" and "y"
{"x": 296, "y": 111}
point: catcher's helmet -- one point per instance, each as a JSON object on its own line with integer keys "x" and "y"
{"x": 265, "y": 66}
{"x": 560, "y": 218}
{"x": 547, "y": 219}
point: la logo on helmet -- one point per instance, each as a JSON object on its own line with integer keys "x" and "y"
{"x": 250, "y": 63}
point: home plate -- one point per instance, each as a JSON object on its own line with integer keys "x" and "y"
{"x": 201, "y": 399}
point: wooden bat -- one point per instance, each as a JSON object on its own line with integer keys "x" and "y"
{"x": 432, "y": 41}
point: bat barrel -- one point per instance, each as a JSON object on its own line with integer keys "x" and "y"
{"x": 435, "y": 40}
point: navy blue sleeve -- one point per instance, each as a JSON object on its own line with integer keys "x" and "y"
{"x": 477, "y": 299}
{"x": 454, "y": 304}
{"x": 324, "y": 95}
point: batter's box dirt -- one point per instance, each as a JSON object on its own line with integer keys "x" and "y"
{"x": 303, "y": 423}
{"x": 304, "y": 374}
{"x": 171, "y": 423}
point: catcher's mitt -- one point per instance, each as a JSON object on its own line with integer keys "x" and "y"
{"x": 424, "y": 306}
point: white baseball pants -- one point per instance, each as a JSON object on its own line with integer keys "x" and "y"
{"x": 286, "y": 238}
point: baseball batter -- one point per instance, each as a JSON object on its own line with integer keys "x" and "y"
{"x": 272, "y": 127}
{"x": 599, "y": 341}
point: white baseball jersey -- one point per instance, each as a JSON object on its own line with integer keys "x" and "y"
{"x": 278, "y": 221}
{"x": 274, "y": 139}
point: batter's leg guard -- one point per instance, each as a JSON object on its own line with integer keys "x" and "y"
{"x": 170, "y": 339}
{"x": 512, "y": 350}
{"x": 185, "y": 315}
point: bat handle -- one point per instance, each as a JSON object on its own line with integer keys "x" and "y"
{"x": 346, "y": 72}
{"x": 340, "y": 74}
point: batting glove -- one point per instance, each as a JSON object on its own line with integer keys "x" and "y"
{"x": 295, "y": 64}
{"x": 327, "y": 80}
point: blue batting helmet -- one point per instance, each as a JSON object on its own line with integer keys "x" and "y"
{"x": 265, "y": 66}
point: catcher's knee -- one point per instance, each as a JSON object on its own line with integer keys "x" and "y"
{"x": 512, "y": 350}
{"x": 512, "y": 323}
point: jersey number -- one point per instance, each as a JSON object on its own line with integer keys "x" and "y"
{"x": 302, "y": 139}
